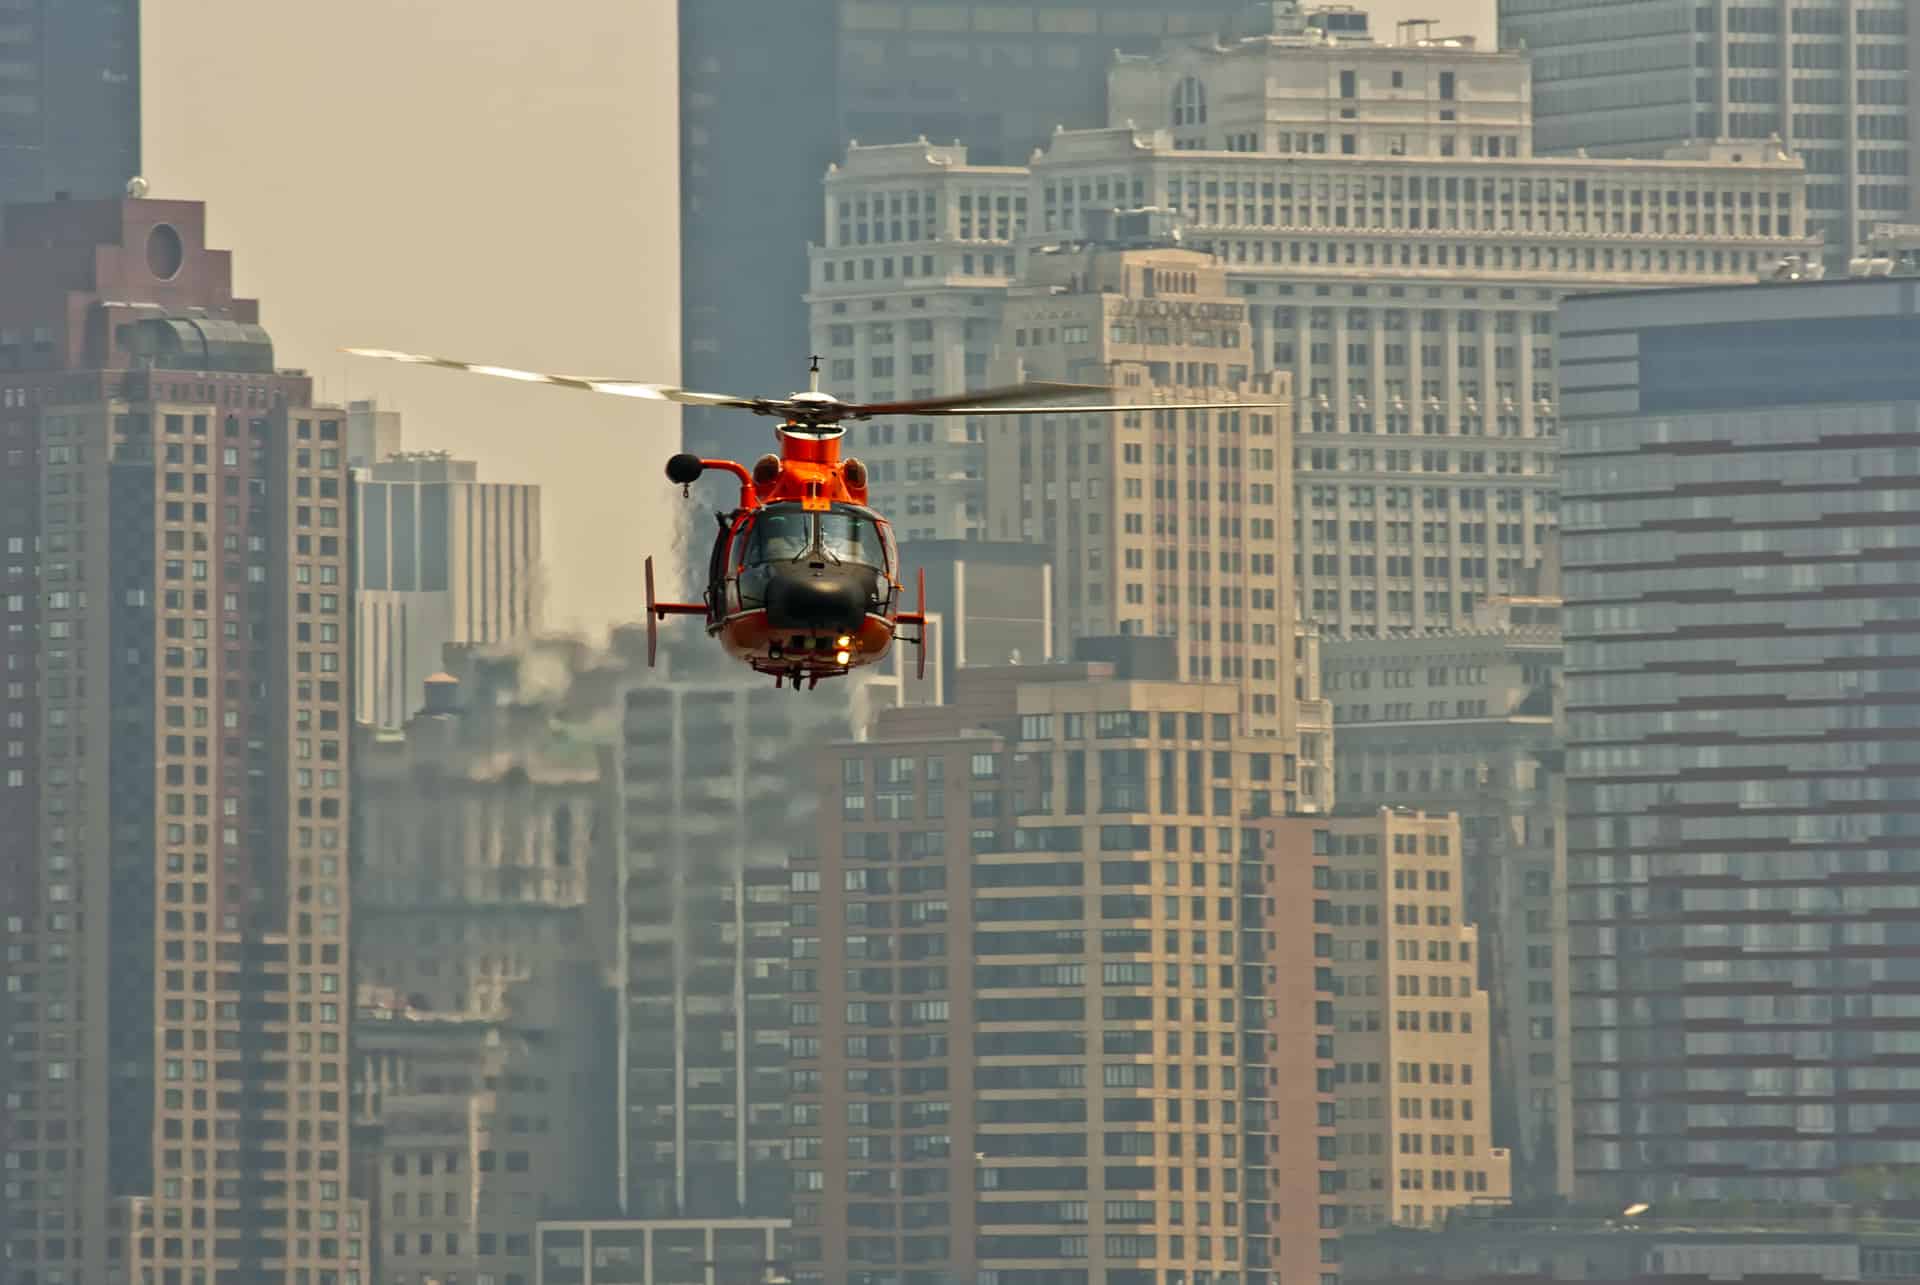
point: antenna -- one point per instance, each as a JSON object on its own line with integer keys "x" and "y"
{"x": 813, "y": 374}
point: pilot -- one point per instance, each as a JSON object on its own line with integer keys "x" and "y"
{"x": 784, "y": 536}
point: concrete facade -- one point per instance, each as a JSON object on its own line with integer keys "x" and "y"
{"x": 1465, "y": 723}
{"x": 1413, "y": 1076}
{"x": 1064, "y": 1103}
{"x": 174, "y": 797}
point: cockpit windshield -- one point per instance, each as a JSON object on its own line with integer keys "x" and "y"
{"x": 850, "y": 536}
{"x": 780, "y": 533}
{"x": 785, "y": 532}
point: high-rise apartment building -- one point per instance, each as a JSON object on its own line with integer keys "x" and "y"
{"x": 439, "y": 557}
{"x": 716, "y": 799}
{"x": 1740, "y": 660}
{"x": 1166, "y": 523}
{"x": 1830, "y": 82}
{"x": 1051, "y": 957}
{"x": 173, "y": 768}
{"x": 1463, "y": 723}
{"x": 70, "y": 120}
{"x": 484, "y": 1030}
{"x": 1411, "y": 1037}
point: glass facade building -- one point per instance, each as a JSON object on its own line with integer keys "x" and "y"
{"x": 1740, "y": 545}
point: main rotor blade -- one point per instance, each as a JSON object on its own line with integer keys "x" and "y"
{"x": 1104, "y": 410}
{"x": 959, "y": 403}
{"x": 611, "y": 387}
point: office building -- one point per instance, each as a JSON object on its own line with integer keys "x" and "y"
{"x": 919, "y": 319}
{"x": 1162, "y": 523}
{"x": 484, "y": 1028}
{"x": 1411, "y": 1036}
{"x": 1828, "y": 82}
{"x": 439, "y": 557}
{"x": 1402, "y": 260}
{"x": 1047, "y": 943}
{"x": 372, "y": 434}
{"x": 748, "y": 202}
{"x": 1463, "y": 723}
{"x": 989, "y": 602}
{"x": 173, "y": 796}
{"x": 997, "y": 78}
{"x": 715, "y": 1251}
{"x": 70, "y": 121}
{"x": 1740, "y": 654}
{"x": 1782, "y": 1246}
{"x": 715, "y": 800}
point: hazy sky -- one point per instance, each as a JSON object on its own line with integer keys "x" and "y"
{"x": 488, "y": 179}
{"x": 491, "y": 180}
{"x": 1451, "y": 17}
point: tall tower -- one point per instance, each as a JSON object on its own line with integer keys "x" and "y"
{"x": 1163, "y": 523}
{"x": 1739, "y": 699}
{"x": 70, "y": 122}
{"x": 1059, "y": 998}
{"x": 714, "y": 802}
{"x": 173, "y": 872}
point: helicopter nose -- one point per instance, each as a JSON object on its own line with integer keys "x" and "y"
{"x": 817, "y": 600}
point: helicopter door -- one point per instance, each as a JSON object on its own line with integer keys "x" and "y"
{"x": 718, "y": 580}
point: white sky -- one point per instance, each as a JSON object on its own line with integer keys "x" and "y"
{"x": 480, "y": 180}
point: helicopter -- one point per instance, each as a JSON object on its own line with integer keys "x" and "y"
{"x": 803, "y": 582}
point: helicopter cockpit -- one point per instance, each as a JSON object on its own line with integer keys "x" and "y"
{"x": 785, "y": 541}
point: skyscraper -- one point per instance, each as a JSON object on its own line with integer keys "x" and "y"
{"x": 1057, "y": 1000}
{"x": 1463, "y": 722}
{"x": 1164, "y": 523}
{"x": 173, "y": 859}
{"x": 1830, "y": 81}
{"x": 758, "y": 96}
{"x": 715, "y": 800}
{"x": 1741, "y": 670}
{"x": 1399, "y": 249}
{"x": 439, "y": 557}
{"x": 1395, "y": 244}
{"x": 996, "y": 77}
{"x": 70, "y": 117}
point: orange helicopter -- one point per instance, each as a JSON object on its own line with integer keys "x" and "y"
{"x": 803, "y": 581}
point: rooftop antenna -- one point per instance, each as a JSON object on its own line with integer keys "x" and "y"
{"x": 813, "y": 374}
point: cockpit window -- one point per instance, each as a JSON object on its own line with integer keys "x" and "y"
{"x": 780, "y": 533}
{"x": 853, "y": 537}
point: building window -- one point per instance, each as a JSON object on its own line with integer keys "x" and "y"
{"x": 1189, "y": 103}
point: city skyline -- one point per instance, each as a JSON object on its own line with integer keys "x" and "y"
{"x": 1418, "y": 785}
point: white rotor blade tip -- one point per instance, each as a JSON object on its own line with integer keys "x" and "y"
{"x": 646, "y": 392}
{"x": 504, "y": 372}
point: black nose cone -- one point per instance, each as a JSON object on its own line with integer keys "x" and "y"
{"x": 807, "y": 599}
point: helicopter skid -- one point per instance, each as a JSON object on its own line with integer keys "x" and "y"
{"x": 801, "y": 656}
